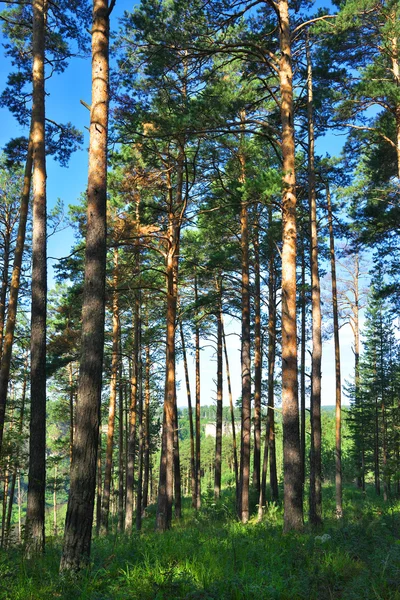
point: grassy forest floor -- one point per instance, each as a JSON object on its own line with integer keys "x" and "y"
{"x": 210, "y": 555}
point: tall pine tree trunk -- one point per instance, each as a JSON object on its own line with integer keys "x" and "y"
{"x": 79, "y": 519}
{"x": 293, "y": 489}
{"x": 35, "y": 511}
{"x": 338, "y": 383}
{"x": 316, "y": 357}
{"x": 165, "y": 487}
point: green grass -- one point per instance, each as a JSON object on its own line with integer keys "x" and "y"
{"x": 210, "y": 556}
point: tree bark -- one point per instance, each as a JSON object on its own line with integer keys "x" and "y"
{"x": 232, "y": 412}
{"x": 315, "y": 510}
{"x": 245, "y": 350}
{"x": 218, "y": 423}
{"x": 197, "y": 362}
{"x": 303, "y": 363}
{"x": 139, "y": 488}
{"x": 121, "y": 453}
{"x": 4, "y": 278}
{"x": 293, "y": 489}
{"x": 79, "y": 519}
{"x": 338, "y": 383}
{"x": 147, "y": 431}
{"x": 130, "y": 467}
{"x": 177, "y": 467}
{"x": 166, "y": 479}
{"x": 190, "y": 411}
{"x": 271, "y": 376}
{"x": 35, "y": 511}
{"x": 105, "y": 506}
{"x": 257, "y": 361}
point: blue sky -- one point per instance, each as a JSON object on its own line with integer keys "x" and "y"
{"x": 63, "y": 104}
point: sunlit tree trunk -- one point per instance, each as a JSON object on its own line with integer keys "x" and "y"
{"x": 293, "y": 489}
{"x": 79, "y": 519}
{"x": 35, "y": 510}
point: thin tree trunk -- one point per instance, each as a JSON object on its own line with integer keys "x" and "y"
{"x": 14, "y": 289}
{"x": 105, "y": 506}
{"x": 303, "y": 363}
{"x": 257, "y": 361}
{"x": 177, "y": 467}
{"x": 139, "y": 494}
{"x": 263, "y": 486}
{"x": 79, "y": 519}
{"x": 271, "y": 377}
{"x": 232, "y": 412}
{"x": 4, "y": 504}
{"x": 71, "y": 411}
{"x": 197, "y": 362}
{"x": 218, "y": 423}
{"x": 55, "y": 529}
{"x": 338, "y": 384}
{"x": 35, "y": 511}
{"x": 4, "y": 279}
{"x": 130, "y": 467}
{"x": 293, "y": 489}
{"x": 316, "y": 357}
{"x": 245, "y": 352}
{"x": 99, "y": 484}
{"x": 16, "y": 458}
{"x": 147, "y": 431}
{"x": 10, "y": 507}
{"x": 121, "y": 389}
{"x": 191, "y": 429}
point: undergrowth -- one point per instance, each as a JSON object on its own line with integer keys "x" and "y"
{"x": 209, "y": 555}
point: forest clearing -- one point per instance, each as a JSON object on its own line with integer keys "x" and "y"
{"x": 199, "y": 299}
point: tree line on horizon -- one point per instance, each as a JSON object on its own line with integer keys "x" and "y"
{"x": 206, "y": 200}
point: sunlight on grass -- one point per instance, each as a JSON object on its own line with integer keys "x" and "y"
{"x": 210, "y": 555}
